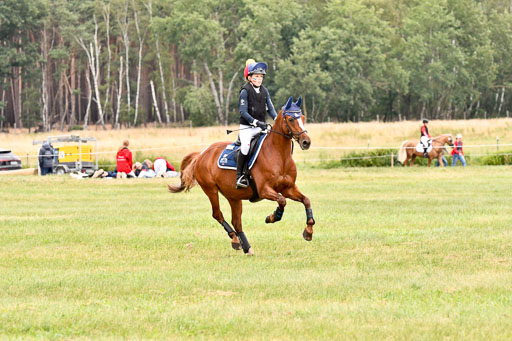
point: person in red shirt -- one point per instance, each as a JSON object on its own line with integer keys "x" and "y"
{"x": 425, "y": 137}
{"x": 457, "y": 152}
{"x": 124, "y": 161}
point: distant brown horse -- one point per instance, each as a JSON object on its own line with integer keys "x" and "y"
{"x": 408, "y": 150}
{"x": 274, "y": 174}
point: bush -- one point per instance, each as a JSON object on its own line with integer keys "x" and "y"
{"x": 373, "y": 158}
{"x": 498, "y": 159}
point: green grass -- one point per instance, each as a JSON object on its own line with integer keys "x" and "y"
{"x": 416, "y": 254}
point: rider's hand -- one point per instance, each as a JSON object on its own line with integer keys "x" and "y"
{"x": 262, "y": 125}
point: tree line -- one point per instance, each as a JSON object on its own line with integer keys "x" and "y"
{"x": 67, "y": 64}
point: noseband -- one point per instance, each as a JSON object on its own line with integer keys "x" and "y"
{"x": 291, "y": 134}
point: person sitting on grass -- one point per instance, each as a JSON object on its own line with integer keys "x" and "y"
{"x": 143, "y": 169}
{"x": 124, "y": 161}
{"x": 147, "y": 170}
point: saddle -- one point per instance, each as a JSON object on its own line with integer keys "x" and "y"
{"x": 420, "y": 148}
{"x": 229, "y": 157}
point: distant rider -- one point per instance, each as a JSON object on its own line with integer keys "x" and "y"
{"x": 253, "y": 104}
{"x": 425, "y": 138}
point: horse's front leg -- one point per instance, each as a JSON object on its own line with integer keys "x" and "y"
{"x": 270, "y": 194}
{"x": 295, "y": 194}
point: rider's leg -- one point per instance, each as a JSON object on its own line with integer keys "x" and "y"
{"x": 241, "y": 180}
{"x": 246, "y": 134}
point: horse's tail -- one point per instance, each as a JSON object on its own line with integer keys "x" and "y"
{"x": 187, "y": 178}
{"x": 402, "y": 154}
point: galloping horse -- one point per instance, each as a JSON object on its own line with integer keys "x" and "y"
{"x": 408, "y": 150}
{"x": 274, "y": 174}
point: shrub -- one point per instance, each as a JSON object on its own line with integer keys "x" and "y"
{"x": 498, "y": 159}
{"x": 373, "y": 158}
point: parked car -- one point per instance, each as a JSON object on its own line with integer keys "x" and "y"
{"x": 8, "y": 160}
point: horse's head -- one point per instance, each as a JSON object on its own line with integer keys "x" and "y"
{"x": 443, "y": 139}
{"x": 449, "y": 140}
{"x": 291, "y": 123}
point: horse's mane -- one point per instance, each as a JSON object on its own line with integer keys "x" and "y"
{"x": 443, "y": 135}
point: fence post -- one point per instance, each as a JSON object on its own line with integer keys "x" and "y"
{"x": 497, "y": 143}
{"x": 392, "y": 163}
{"x": 28, "y": 165}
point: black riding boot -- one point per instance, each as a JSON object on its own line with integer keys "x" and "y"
{"x": 425, "y": 153}
{"x": 241, "y": 179}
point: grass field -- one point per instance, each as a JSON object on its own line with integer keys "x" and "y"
{"x": 419, "y": 254}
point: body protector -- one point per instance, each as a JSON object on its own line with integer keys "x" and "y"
{"x": 257, "y": 103}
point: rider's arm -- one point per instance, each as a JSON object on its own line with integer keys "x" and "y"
{"x": 270, "y": 106}
{"x": 243, "y": 108}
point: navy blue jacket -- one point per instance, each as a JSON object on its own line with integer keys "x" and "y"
{"x": 243, "y": 106}
{"x": 46, "y": 156}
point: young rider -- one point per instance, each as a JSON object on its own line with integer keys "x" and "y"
{"x": 425, "y": 137}
{"x": 253, "y": 104}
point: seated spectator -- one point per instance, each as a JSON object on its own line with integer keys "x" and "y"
{"x": 146, "y": 170}
{"x": 124, "y": 161}
{"x": 163, "y": 168}
{"x": 100, "y": 173}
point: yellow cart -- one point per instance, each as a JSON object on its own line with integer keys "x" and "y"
{"x": 77, "y": 157}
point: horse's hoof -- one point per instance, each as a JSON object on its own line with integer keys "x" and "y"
{"x": 250, "y": 252}
{"x": 307, "y": 236}
{"x": 268, "y": 220}
{"x": 236, "y": 246}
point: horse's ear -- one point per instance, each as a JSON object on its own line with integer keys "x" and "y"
{"x": 299, "y": 102}
{"x": 289, "y": 103}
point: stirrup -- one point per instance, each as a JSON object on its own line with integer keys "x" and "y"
{"x": 242, "y": 182}
{"x": 425, "y": 155}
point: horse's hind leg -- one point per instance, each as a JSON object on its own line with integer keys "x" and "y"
{"x": 213, "y": 195}
{"x": 236, "y": 220}
{"x": 295, "y": 194}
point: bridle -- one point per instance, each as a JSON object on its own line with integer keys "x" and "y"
{"x": 291, "y": 135}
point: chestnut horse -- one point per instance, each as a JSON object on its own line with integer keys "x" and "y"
{"x": 408, "y": 150}
{"x": 274, "y": 174}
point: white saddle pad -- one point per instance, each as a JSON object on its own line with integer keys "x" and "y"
{"x": 419, "y": 148}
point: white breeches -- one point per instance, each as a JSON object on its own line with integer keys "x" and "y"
{"x": 245, "y": 137}
{"x": 425, "y": 141}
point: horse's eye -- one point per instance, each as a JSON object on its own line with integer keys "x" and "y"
{"x": 290, "y": 119}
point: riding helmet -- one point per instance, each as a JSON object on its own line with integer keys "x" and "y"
{"x": 425, "y": 120}
{"x": 255, "y": 68}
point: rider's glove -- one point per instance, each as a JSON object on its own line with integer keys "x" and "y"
{"x": 262, "y": 125}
